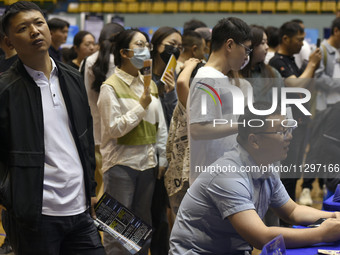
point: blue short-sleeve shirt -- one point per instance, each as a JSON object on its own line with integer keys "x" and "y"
{"x": 202, "y": 225}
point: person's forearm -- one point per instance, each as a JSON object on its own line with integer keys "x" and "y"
{"x": 207, "y": 131}
{"x": 304, "y": 80}
{"x": 305, "y": 215}
{"x": 309, "y": 71}
{"x": 298, "y": 237}
{"x": 299, "y": 82}
{"x": 183, "y": 82}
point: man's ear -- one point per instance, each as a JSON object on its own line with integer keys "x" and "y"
{"x": 8, "y": 43}
{"x": 229, "y": 44}
{"x": 285, "y": 39}
{"x": 193, "y": 50}
{"x": 253, "y": 141}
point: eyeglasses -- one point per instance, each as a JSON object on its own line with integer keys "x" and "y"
{"x": 142, "y": 44}
{"x": 248, "y": 50}
{"x": 285, "y": 133}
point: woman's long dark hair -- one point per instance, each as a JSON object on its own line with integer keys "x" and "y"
{"x": 265, "y": 70}
{"x": 77, "y": 40}
{"x": 101, "y": 66}
{"x": 158, "y": 38}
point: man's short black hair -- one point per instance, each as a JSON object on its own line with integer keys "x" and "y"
{"x": 290, "y": 29}
{"x": 272, "y": 36}
{"x": 229, "y": 28}
{"x": 299, "y": 21}
{"x": 335, "y": 24}
{"x": 56, "y": 23}
{"x": 14, "y": 9}
{"x": 245, "y": 130}
{"x": 191, "y": 25}
{"x": 191, "y": 38}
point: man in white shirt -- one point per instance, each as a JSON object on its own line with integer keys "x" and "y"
{"x": 302, "y": 58}
{"x": 230, "y": 48}
{"x": 47, "y": 164}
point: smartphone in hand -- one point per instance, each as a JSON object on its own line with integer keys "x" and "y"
{"x": 318, "y": 42}
{"x": 317, "y": 223}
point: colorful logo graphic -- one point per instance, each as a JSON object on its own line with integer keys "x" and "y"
{"x": 209, "y": 93}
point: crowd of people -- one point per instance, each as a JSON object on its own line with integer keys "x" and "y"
{"x": 80, "y": 121}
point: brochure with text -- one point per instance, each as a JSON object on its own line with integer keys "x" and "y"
{"x": 171, "y": 65}
{"x": 121, "y": 223}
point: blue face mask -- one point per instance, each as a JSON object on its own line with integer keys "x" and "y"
{"x": 206, "y": 56}
{"x": 139, "y": 56}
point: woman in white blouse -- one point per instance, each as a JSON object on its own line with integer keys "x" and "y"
{"x": 133, "y": 130}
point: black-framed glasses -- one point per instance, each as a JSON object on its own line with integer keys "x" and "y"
{"x": 248, "y": 50}
{"x": 285, "y": 132}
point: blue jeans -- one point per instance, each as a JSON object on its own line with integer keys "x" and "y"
{"x": 55, "y": 235}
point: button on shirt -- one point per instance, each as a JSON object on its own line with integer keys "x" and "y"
{"x": 202, "y": 225}
{"x": 63, "y": 193}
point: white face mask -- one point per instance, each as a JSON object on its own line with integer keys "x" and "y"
{"x": 245, "y": 63}
{"x": 139, "y": 55}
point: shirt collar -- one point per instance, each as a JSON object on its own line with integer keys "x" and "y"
{"x": 247, "y": 160}
{"x": 291, "y": 58}
{"x": 36, "y": 75}
{"x": 127, "y": 78}
{"x": 245, "y": 156}
{"x": 329, "y": 48}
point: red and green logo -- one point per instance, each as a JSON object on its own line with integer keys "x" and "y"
{"x": 209, "y": 93}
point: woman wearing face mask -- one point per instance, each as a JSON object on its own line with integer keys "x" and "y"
{"x": 133, "y": 131}
{"x": 261, "y": 76}
{"x": 166, "y": 41}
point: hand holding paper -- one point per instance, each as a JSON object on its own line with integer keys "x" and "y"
{"x": 118, "y": 221}
{"x": 169, "y": 83}
{"x": 147, "y": 72}
{"x": 168, "y": 76}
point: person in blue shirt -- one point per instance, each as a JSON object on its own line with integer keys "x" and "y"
{"x": 223, "y": 209}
